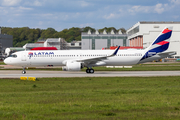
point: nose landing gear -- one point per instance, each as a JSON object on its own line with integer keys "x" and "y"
{"x": 24, "y": 70}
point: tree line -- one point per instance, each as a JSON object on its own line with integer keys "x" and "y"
{"x": 24, "y": 35}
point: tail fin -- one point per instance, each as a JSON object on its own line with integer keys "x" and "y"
{"x": 160, "y": 44}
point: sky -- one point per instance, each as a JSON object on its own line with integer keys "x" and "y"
{"x": 65, "y": 14}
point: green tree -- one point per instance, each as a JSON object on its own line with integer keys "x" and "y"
{"x": 24, "y": 35}
{"x": 48, "y": 33}
{"x": 78, "y": 38}
{"x": 86, "y": 29}
{"x": 108, "y": 30}
{"x": 123, "y": 30}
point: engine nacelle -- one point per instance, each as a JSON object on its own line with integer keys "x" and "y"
{"x": 72, "y": 66}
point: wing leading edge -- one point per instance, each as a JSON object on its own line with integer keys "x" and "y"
{"x": 88, "y": 61}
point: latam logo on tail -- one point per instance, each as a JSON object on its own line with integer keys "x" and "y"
{"x": 160, "y": 44}
{"x": 165, "y": 35}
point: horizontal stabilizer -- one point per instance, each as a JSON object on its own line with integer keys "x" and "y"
{"x": 168, "y": 53}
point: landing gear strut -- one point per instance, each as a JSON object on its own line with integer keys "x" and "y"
{"x": 24, "y": 70}
{"x": 89, "y": 70}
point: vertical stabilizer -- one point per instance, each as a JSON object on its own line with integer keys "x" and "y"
{"x": 160, "y": 44}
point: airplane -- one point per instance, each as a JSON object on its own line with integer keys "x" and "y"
{"x": 75, "y": 60}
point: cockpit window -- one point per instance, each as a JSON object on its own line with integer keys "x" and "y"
{"x": 13, "y": 55}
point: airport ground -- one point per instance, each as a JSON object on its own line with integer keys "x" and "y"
{"x": 77, "y": 95}
{"x": 149, "y": 69}
{"x": 96, "y": 98}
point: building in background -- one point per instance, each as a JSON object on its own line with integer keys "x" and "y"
{"x": 92, "y": 41}
{"x": 142, "y": 34}
{"x": 5, "y": 42}
{"x": 59, "y": 43}
{"x": 74, "y": 45}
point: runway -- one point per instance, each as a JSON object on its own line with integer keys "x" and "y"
{"x": 48, "y": 74}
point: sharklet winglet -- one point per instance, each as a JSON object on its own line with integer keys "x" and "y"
{"x": 115, "y": 52}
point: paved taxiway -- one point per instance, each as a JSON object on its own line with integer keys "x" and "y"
{"x": 41, "y": 74}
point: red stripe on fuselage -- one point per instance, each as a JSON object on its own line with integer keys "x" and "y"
{"x": 166, "y": 31}
{"x": 162, "y": 43}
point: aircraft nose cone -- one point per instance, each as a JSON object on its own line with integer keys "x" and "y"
{"x": 6, "y": 61}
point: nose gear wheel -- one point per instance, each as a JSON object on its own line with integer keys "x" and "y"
{"x": 24, "y": 70}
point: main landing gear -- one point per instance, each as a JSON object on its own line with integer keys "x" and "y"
{"x": 24, "y": 70}
{"x": 89, "y": 70}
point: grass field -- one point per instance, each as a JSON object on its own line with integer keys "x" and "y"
{"x": 2, "y": 63}
{"x": 90, "y": 98}
{"x": 142, "y": 67}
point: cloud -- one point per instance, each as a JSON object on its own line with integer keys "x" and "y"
{"x": 175, "y": 16}
{"x": 159, "y": 8}
{"x": 24, "y": 8}
{"x": 3, "y": 11}
{"x": 37, "y": 3}
{"x": 86, "y": 24}
{"x": 34, "y": 3}
{"x": 11, "y": 21}
{"x": 47, "y": 15}
{"x": 84, "y": 4}
{"x": 10, "y": 2}
{"x": 40, "y": 23}
{"x": 140, "y": 9}
{"x": 175, "y": 1}
{"x": 110, "y": 16}
{"x": 17, "y": 10}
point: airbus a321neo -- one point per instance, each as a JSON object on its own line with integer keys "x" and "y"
{"x": 75, "y": 60}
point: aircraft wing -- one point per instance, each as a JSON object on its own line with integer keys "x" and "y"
{"x": 97, "y": 59}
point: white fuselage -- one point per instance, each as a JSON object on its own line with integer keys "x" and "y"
{"x": 59, "y": 57}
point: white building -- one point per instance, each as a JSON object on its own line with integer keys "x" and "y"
{"x": 74, "y": 45}
{"x": 143, "y": 34}
{"x": 59, "y": 43}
